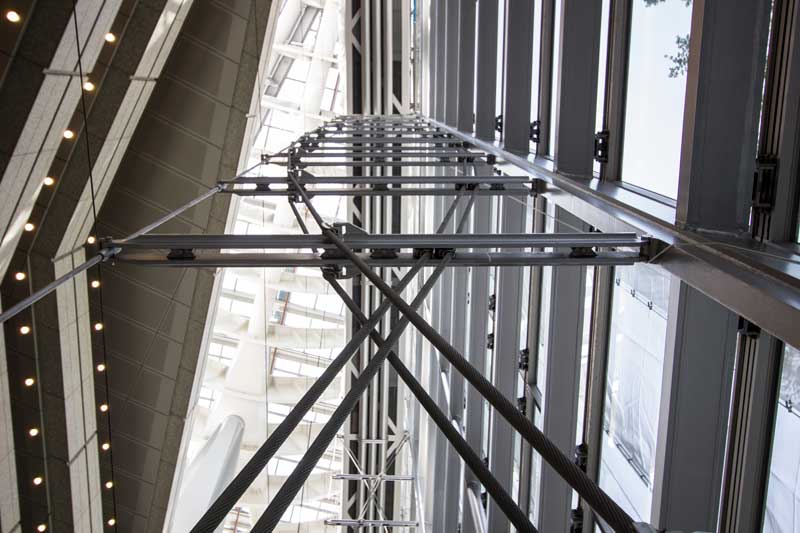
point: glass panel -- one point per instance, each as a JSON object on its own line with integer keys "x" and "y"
{"x": 782, "y": 513}
{"x": 601, "y": 72}
{"x": 656, "y": 86}
{"x": 555, "y": 84}
{"x": 633, "y": 387}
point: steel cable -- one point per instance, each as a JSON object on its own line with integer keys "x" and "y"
{"x": 594, "y": 496}
{"x": 288, "y": 491}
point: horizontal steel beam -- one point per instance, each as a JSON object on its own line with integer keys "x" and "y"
{"x": 372, "y": 191}
{"x": 361, "y": 523}
{"x": 352, "y": 164}
{"x": 378, "y": 477}
{"x": 310, "y": 260}
{"x": 372, "y": 154}
{"x": 382, "y": 180}
{"x": 386, "y": 241}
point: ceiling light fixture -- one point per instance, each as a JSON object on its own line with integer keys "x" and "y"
{"x": 13, "y": 16}
{"x": 29, "y": 226}
{"x": 48, "y": 181}
{"x": 110, "y": 37}
{"x": 20, "y": 276}
{"x": 69, "y": 134}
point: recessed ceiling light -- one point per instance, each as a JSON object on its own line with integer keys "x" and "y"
{"x": 41, "y": 527}
{"x": 109, "y": 484}
{"x": 98, "y": 326}
{"x": 37, "y": 480}
{"x": 103, "y": 407}
{"x": 33, "y": 432}
{"x": 111, "y": 522}
{"x": 29, "y": 226}
{"x": 95, "y": 284}
{"x": 48, "y": 181}
{"x": 110, "y": 37}
{"x": 25, "y": 330}
{"x": 105, "y": 446}
{"x": 91, "y": 239}
{"x": 69, "y": 134}
{"x": 20, "y": 276}
{"x": 101, "y": 367}
{"x": 29, "y": 382}
{"x": 88, "y": 86}
{"x": 13, "y": 16}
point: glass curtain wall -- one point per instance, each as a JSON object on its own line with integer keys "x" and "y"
{"x": 782, "y": 510}
{"x": 637, "y": 339}
{"x": 655, "y": 92}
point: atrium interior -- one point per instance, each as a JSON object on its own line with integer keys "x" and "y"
{"x": 400, "y": 266}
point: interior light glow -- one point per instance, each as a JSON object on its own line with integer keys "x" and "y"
{"x": 20, "y": 276}
{"x": 13, "y": 16}
{"x": 48, "y": 181}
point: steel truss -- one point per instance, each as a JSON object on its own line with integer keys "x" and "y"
{"x": 343, "y": 250}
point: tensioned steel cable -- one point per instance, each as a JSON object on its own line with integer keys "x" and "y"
{"x": 288, "y": 491}
{"x": 99, "y": 265}
{"x": 294, "y": 483}
{"x": 473, "y": 461}
{"x": 597, "y": 499}
{"x": 228, "y": 498}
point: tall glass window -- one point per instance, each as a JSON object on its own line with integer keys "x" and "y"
{"x": 782, "y": 513}
{"x": 633, "y": 387}
{"x": 655, "y": 92}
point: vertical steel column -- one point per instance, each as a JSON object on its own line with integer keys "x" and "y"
{"x": 693, "y": 416}
{"x": 577, "y": 94}
{"x": 476, "y": 354}
{"x": 458, "y": 333}
{"x": 505, "y": 373}
{"x": 726, "y": 67}
{"x": 429, "y": 31}
{"x": 596, "y": 378}
{"x": 517, "y": 86}
{"x": 756, "y": 380}
{"x": 486, "y": 69}
{"x": 466, "y": 67}
{"x": 451, "y": 65}
{"x": 726, "y": 71}
{"x": 563, "y": 358}
{"x": 439, "y": 20}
